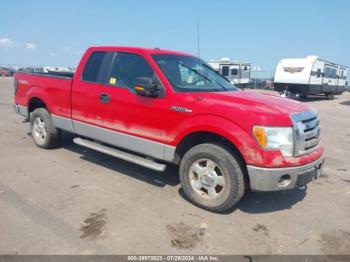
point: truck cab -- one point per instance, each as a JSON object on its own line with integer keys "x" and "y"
{"x": 152, "y": 107}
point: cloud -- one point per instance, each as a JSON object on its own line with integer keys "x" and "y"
{"x": 6, "y": 42}
{"x": 31, "y": 46}
{"x": 53, "y": 54}
{"x": 72, "y": 51}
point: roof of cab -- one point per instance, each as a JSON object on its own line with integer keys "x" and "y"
{"x": 138, "y": 50}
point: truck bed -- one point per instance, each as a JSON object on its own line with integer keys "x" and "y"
{"x": 53, "y": 87}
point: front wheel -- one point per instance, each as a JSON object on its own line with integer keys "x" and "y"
{"x": 303, "y": 96}
{"x": 44, "y": 133}
{"x": 212, "y": 177}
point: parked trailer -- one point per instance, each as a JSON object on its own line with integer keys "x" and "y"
{"x": 310, "y": 76}
{"x": 238, "y": 73}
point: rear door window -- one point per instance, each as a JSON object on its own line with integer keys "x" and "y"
{"x": 97, "y": 67}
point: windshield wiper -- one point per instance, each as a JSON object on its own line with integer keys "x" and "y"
{"x": 196, "y": 71}
{"x": 218, "y": 75}
{"x": 200, "y": 74}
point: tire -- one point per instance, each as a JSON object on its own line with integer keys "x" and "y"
{"x": 206, "y": 188}
{"x": 330, "y": 96}
{"x": 44, "y": 133}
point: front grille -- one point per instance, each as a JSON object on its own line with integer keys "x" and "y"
{"x": 306, "y": 132}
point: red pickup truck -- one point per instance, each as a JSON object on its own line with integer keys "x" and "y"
{"x": 153, "y": 106}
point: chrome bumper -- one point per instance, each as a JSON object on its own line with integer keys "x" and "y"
{"x": 275, "y": 179}
{"x": 22, "y": 110}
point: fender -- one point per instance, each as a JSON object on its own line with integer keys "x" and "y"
{"x": 42, "y": 94}
{"x": 239, "y": 137}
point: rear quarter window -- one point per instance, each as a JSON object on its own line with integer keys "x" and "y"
{"x": 97, "y": 67}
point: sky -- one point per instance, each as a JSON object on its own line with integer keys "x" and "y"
{"x": 261, "y": 32}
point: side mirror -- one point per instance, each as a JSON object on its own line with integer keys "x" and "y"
{"x": 147, "y": 86}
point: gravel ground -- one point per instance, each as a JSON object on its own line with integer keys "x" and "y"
{"x": 72, "y": 200}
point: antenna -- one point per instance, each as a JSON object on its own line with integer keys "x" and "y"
{"x": 198, "y": 50}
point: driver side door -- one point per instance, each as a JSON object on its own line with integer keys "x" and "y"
{"x": 138, "y": 123}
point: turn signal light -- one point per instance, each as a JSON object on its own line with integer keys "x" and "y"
{"x": 260, "y": 135}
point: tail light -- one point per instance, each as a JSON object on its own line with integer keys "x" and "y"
{"x": 15, "y": 85}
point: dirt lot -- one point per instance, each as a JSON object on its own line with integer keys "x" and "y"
{"x": 77, "y": 201}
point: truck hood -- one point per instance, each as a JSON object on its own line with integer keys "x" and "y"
{"x": 264, "y": 101}
{"x": 255, "y": 107}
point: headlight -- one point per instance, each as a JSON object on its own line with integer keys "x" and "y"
{"x": 275, "y": 138}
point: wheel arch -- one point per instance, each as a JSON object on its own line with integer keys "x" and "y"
{"x": 212, "y": 128}
{"x": 200, "y": 137}
{"x": 38, "y": 97}
{"x": 34, "y": 103}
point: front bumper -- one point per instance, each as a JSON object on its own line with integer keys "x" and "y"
{"x": 275, "y": 179}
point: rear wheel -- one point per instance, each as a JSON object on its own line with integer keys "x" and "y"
{"x": 330, "y": 96}
{"x": 212, "y": 177}
{"x": 44, "y": 133}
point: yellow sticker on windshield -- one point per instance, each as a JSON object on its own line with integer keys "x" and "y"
{"x": 113, "y": 80}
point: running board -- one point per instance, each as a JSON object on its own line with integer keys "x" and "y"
{"x": 120, "y": 154}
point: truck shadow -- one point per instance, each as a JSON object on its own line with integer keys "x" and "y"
{"x": 252, "y": 202}
{"x": 268, "y": 202}
{"x": 160, "y": 179}
{"x": 345, "y": 103}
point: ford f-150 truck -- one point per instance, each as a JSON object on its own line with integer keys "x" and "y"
{"x": 152, "y": 107}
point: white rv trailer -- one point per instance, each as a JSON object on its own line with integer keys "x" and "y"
{"x": 238, "y": 73}
{"x": 310, "y": 75}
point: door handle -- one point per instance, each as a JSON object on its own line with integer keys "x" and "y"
{"x": 104, "y": 98}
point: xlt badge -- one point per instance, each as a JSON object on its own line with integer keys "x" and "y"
{"x": 181, "y": 109}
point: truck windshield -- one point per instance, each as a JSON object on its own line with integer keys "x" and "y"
{"x": 190, "y": 74}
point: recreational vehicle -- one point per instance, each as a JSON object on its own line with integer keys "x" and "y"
{"x": 238, "y": 73}
{"x": 310, "y": 75}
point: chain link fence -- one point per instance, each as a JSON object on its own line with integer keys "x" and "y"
{"x": 261, "y": 79}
